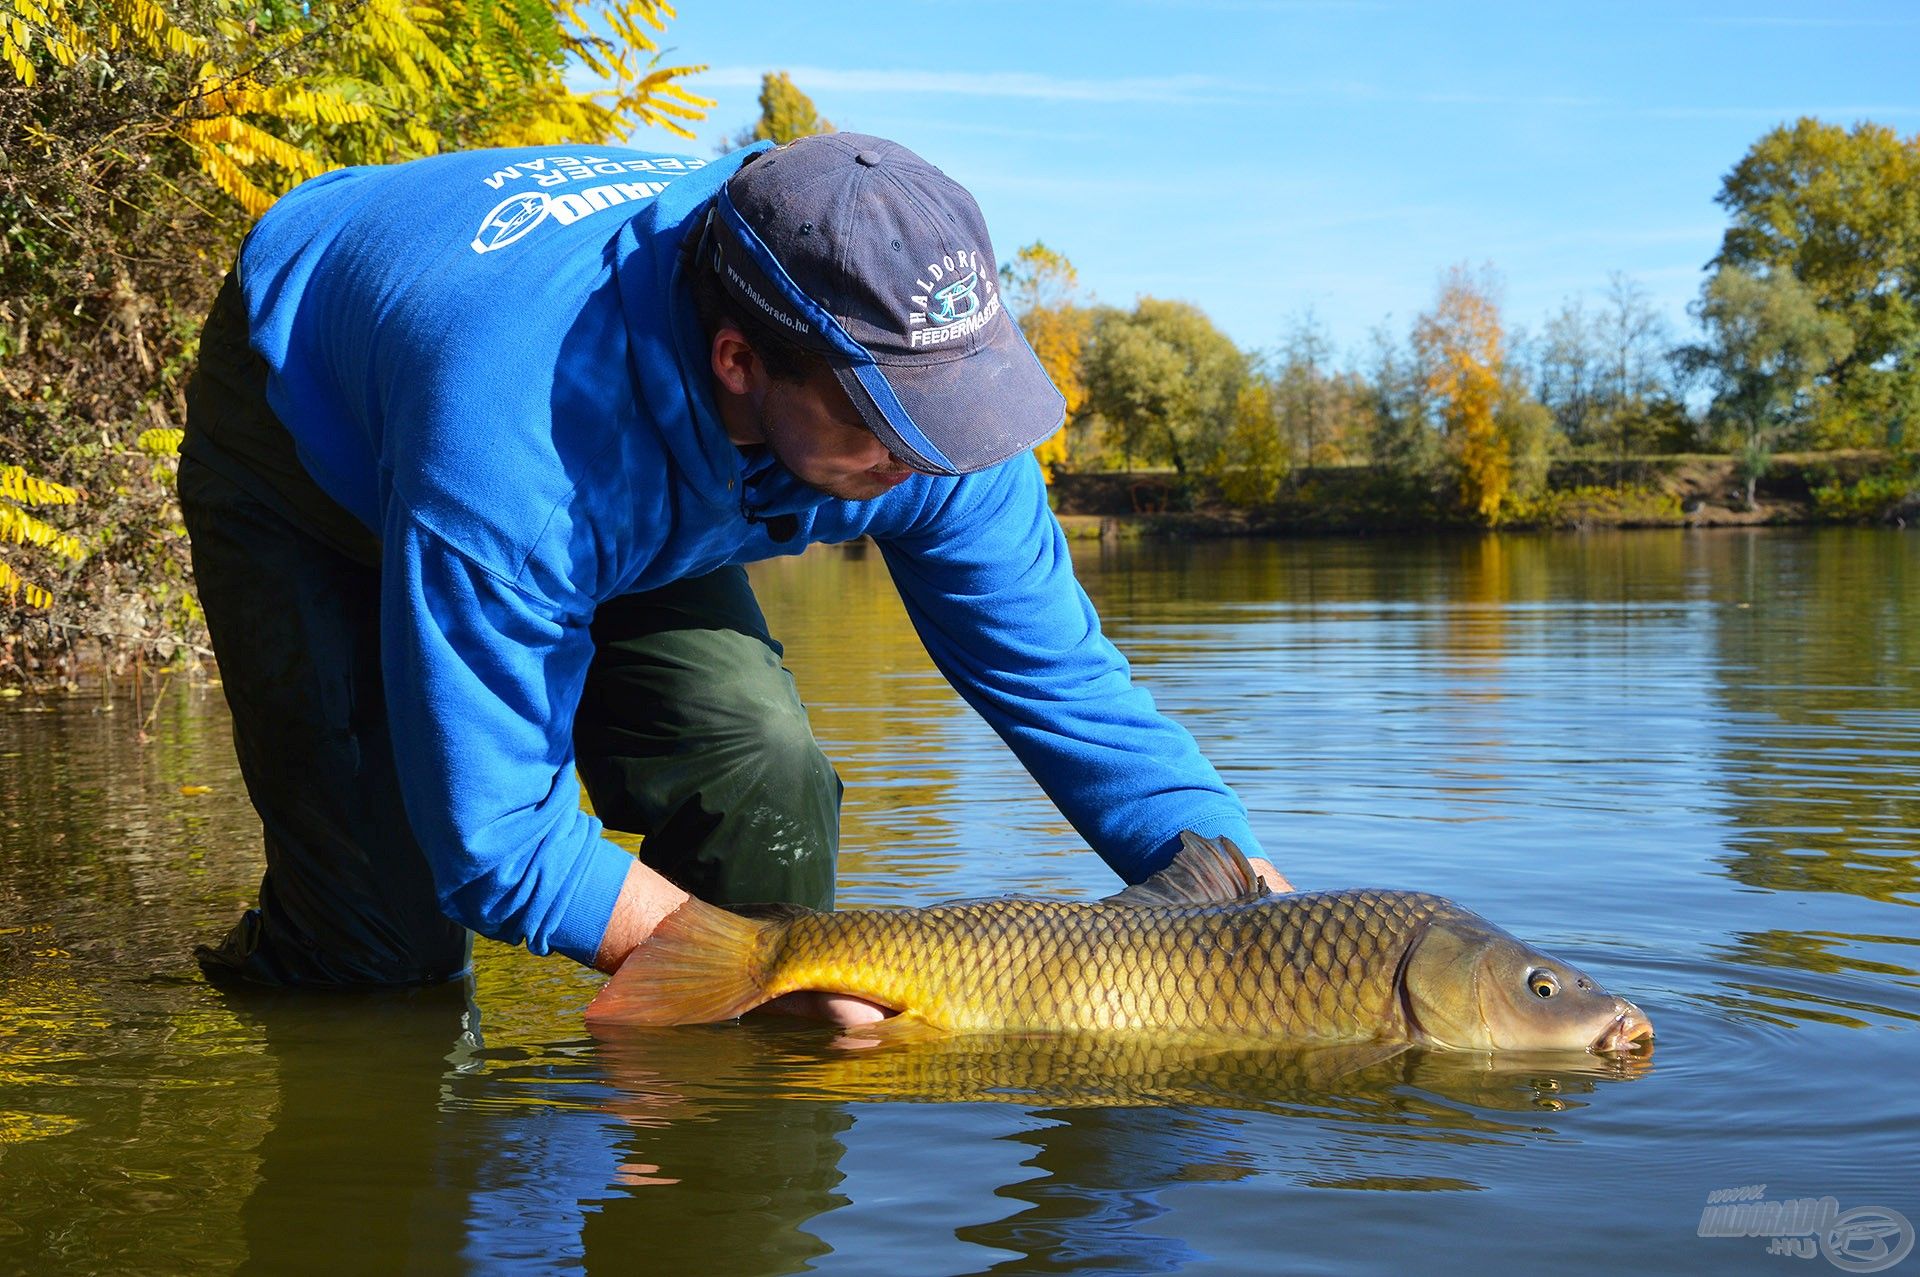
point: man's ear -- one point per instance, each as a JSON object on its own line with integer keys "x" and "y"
{"x": 735, "y": 365}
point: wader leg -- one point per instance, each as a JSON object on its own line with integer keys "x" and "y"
{"x": 691, "y": 733}
{"x": 347, "y": 897}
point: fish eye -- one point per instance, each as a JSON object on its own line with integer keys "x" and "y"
{"x": 1542, "y": 982}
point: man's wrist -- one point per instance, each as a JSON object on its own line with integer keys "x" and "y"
{"x": 645, "y": 900}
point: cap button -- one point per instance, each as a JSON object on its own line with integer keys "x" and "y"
{"x": 869, "y": 158}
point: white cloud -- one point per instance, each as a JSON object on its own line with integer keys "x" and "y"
{"x": 1767, "y": 114}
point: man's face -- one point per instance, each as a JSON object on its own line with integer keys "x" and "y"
{"x": 814, "y": 431}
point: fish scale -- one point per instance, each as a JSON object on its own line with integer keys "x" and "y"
{"x": 1317, "y": 966}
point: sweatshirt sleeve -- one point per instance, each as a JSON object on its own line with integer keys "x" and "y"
{"x": 989, "y": 585}
{"x": 482, "y": 681}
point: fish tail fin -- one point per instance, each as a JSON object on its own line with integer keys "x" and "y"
{"x": 700, "y": 965}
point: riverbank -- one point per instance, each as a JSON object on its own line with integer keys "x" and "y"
{"x": 1687, "y": 490}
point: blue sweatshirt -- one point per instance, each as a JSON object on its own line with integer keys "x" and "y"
{"x": 489, "y": 360}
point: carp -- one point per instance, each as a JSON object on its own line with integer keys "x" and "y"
{"x": 1201, "y": 952}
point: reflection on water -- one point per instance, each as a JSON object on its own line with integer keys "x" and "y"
{"x": 1687, "y": 762}
{"x": 1819, "y": 753}
{"x": 668, "y": 1069}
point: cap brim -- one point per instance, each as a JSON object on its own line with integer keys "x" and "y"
{"x": 960, "y": 415}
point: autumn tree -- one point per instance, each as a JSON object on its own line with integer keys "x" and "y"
{"x": 1164, "y": 379}
{"x": 1839, "y": 210}
{"x": 1459, "y": 344}
{"x": 785, "y": 114}
{"x": 1252, "y": 455}
{"x": 140, "y": 139}
{"x": 1042, "y": 289}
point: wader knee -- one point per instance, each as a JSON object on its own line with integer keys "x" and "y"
{"x": 691, "y": 733}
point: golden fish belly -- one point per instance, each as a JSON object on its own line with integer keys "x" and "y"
{"x": 1315, "y": 967}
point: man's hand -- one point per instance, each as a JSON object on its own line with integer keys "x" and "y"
{"x": 842, "y": 1009}
{"x": 1269, "y": 875}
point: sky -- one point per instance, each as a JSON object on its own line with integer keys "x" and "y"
{"x": 1267, "y": 159}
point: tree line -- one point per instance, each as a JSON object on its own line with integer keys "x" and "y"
{"x": 1807, "y": 339}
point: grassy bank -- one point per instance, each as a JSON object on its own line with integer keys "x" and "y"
{"x": 1685, "y": 490}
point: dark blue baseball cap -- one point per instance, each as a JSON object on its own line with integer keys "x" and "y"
{"x": 862, "y": 252}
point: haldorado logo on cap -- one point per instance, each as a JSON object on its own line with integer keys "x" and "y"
{"x": 949, "y": 306}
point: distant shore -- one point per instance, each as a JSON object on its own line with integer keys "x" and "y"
{"x": 1680, "y": 491}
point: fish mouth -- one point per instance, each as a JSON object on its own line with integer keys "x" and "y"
{"x": 1629, "y": 1030}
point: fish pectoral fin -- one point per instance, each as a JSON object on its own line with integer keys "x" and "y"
{"x": 701, "y": 965}
{"x": 1205, "y": 871}
{"x": 1327, "y": 1064}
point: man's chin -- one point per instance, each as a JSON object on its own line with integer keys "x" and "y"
{"x": 860, "y": 487}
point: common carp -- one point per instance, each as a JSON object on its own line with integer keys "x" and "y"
{"x": 1201, "y": 952}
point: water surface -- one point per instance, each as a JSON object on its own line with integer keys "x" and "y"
{"x": 1685, "y": 761}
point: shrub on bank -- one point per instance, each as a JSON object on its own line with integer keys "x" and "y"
{"x": 1630, "y": 505}
{"x": 1878, "y": 496}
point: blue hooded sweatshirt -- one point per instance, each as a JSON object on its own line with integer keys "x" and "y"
{"x": 489, "y": 359}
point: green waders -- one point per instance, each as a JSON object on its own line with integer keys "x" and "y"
{"x": 689, "y": 731}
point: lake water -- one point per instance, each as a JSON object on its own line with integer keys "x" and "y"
{"x": 1689, "y": 762}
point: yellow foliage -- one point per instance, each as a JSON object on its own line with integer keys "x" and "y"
{"x": 17, "y": 489}
{"x": 1459, "y": 344}
{"x": 1057, "y": 337}
{"x": 161, "y": 441}
{"x": 17, "y": 485}
{"x": 389, "y": 69}
{"x": 109, "y": 25}
{"x": 21, "y": 528}
{"x": 13, "y": 587}
{"x": 1253, "y": 457}
{"x": 1042, "y": 287}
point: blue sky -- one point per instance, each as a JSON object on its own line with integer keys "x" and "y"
{"x": 1260, "y": 157}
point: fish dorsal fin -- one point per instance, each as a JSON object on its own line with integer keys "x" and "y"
{"x": 966, "y": 901}
{"x": 1205, "y": 871}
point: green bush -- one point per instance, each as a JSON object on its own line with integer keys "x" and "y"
{"x": 1624, "y": 504}
{"x": 1873, "y": 497}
